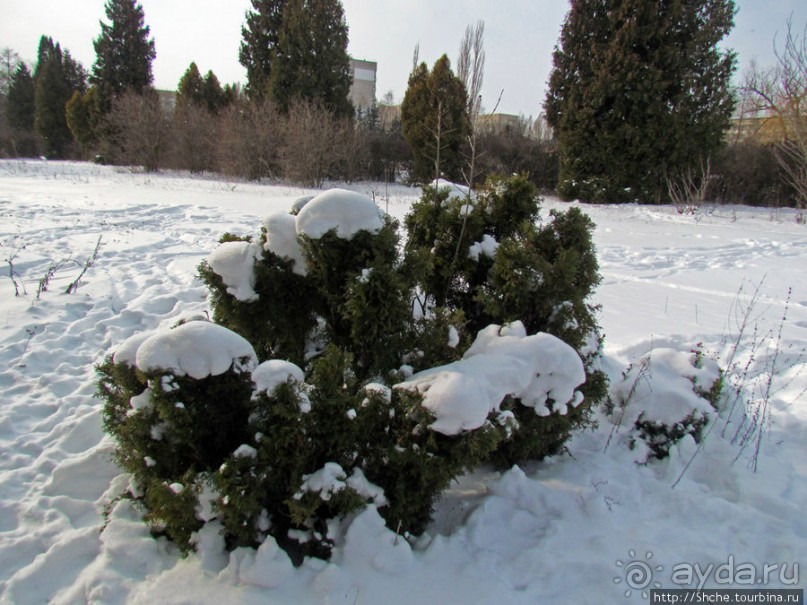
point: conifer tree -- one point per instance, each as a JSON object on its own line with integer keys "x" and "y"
{"x": 20, "y": 101}
{"x": 124, "y": 51}
{"x": 259, "y": 43}
{"x": 214, "y": 96}
{"x": 434, "y": 117}
{"x": 56, "y": 78}
{"x": 191, "y": 87}
{"x": 311, "y": 62}
{"x": 639, "y": 92}
{"x": 85, "y": 118}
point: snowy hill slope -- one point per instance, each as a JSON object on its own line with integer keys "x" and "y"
{"x": 566, "y": 530}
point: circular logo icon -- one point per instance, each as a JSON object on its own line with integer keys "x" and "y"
{"x": 637, "y": 573}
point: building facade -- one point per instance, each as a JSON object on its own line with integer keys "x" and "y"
{"x": 362, "y": 88}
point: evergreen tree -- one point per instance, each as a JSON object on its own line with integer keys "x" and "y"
{"x": 259, "y": 43}
{"x": 191, "y": 87}
{"x": 75, "y": 76}
{"x": 639, "y": 92}
{"x": 311, "y": 61}
{"x": 20, "y": 100}
{"x": 123, "y": 50}
{"x": 85, "y": 118}
{"x": 214, "y": 96}
{"x": 435, "y": 121}
{"x": 56, "y": 78}
{"x": 202, "y": 92}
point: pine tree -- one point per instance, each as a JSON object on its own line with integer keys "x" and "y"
{"x": 311, "y": 61}
{"x": 20, "y": 101}
{"x": 259, "y": 43}
{"x": 124, "y": 52}
{"x": 639, "y": 92}
{"x": 435, "y": 121}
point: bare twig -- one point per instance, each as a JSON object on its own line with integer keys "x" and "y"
{"x": 87, "y": 265}
{"x": 45, "y": 281}
{"x": 642, "y": 375}
{"x": 12, "y": 273}
{"x": 688, "y": 189}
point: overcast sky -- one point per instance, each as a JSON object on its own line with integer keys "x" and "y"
{"x": 519, "y": 37}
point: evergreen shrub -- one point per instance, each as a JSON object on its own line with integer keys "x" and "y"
{"x": 655, "y": 406}
{"x": 319, "y": 417}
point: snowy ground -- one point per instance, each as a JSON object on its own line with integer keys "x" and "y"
{"x": 568, "y": 530}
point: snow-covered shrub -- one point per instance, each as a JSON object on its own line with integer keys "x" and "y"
{"x": 489, "y": 257}
{"x": 177, "y": 405}
{"x": 381, "y": 377}
{"x": 667, "y": 395}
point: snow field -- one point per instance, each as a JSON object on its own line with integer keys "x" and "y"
{"x": 552, "y": 532}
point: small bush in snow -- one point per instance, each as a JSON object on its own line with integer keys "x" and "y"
{"x": 385, "y": 370}
{"x": 650, "y": 404}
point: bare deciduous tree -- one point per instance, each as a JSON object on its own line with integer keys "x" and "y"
{"x": 471, "y": 66}
{"x": 314, "y": 143}
{"x": 471, "y": 72}
{"x": 141, "y": 130}
{"x": 249, "y": 139}
{"x": 780, "y": 93}
{"x": 196, "y": 138}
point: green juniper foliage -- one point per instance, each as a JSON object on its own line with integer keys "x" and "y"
{"x": 287, "y": 449}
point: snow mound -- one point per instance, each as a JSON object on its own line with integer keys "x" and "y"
{"x": 347, "y": 212}
{"x": 502, "y": 361}
{"x": 661, "y": 387}
{"x": 454, "y": 190}
{"x": 274, "y": 372}
{"x": 300, "y": 202}
{"x": 234, "y": 263}
{"x": 126, "y": 352}
{"x": 281, "y": 239}
{"x": 198, "y": 349}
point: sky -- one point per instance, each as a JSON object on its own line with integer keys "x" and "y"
{"x": 519, "y": 37}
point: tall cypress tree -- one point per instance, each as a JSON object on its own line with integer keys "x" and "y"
{"x": 260, "y": 37}
{"x": 434, "y": 117}
{"x": 311, "y": 61}
{"x": 639, "y": 93}
{"x": 124, "y": 51}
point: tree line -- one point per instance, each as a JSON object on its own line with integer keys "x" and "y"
{"x": 639, "y": 102}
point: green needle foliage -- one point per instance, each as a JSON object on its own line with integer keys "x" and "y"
{"x": 284, "y": 450}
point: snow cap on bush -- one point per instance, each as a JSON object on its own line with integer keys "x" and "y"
{"x": 198, "y": 349}
{"x": 345, "y": 211}
{"x": 234, "y": 262}
{"x": 668, "y": 393}
{"x": 502, "y": 361}
{"x": 454, "y": 190}
{"x": 281, "y": 239}
{"x": 274, "y": 372}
